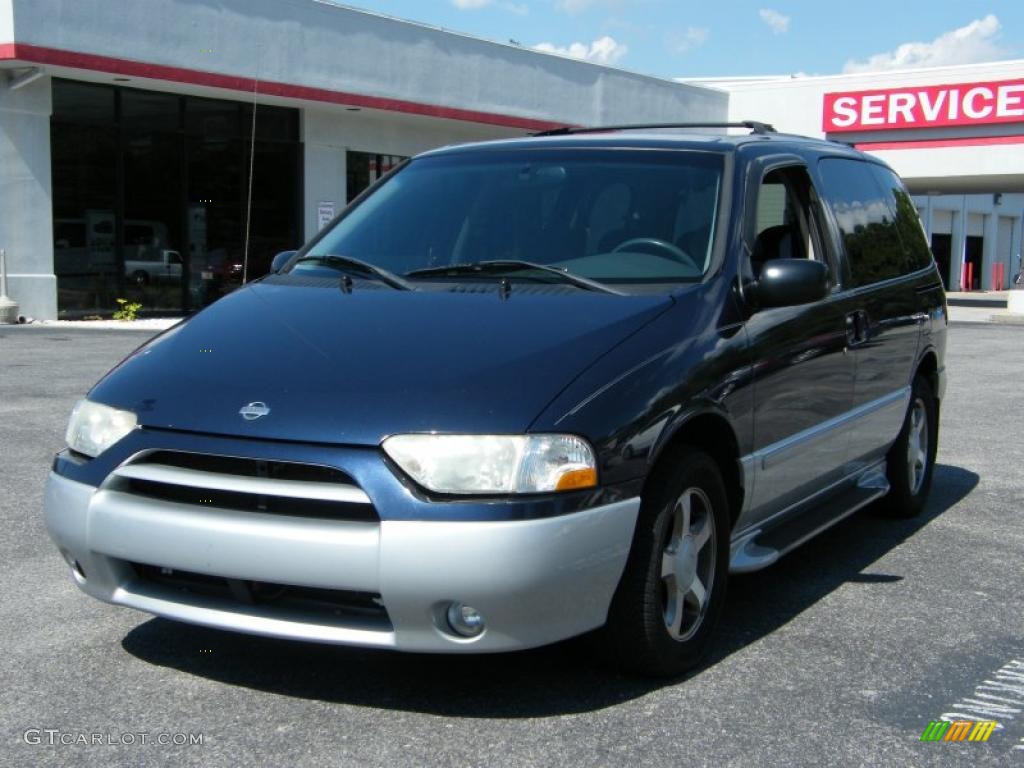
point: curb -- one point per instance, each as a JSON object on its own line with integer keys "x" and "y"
{"x": 1008, "y": 319}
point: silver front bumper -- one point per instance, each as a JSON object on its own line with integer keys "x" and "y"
{"x": 535, "y": 582}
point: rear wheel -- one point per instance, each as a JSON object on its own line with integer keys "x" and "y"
{"x": 673, "y": 588}
{"x": 911, "y": 460}
{"x": 141, "y": 277}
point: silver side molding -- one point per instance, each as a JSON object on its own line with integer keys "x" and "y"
{"x": 866, "y": 427}
{"x": 768, "y": 455}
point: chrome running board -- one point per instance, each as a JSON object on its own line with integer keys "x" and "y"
{"x": 759, "y": 548}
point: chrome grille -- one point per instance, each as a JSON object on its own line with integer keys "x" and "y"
{"x": 254, "y": 485}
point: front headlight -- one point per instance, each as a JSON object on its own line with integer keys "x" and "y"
{"x": 495, "y": 464}
{"x": 95, "y": 427}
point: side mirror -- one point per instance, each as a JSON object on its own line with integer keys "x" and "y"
{"x": 789, "y": 282}
{"x": 280, "y": 260}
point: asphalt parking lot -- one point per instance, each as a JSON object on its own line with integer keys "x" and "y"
{"x": 839, "y": 655}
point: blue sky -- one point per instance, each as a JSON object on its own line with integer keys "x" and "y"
{"x": 682, "y": 38}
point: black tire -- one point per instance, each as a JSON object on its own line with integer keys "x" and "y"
{"x": 141, "y": 277}
{"x": 637, "y": 636}
{"x": 909, "y": 488}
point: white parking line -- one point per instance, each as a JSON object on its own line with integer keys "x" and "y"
{"x": 1000, "y": 698}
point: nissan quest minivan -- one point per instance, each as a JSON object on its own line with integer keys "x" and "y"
{"x": 521, "y": 391}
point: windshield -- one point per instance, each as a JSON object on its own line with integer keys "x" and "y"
{"x": 612, "y": 216}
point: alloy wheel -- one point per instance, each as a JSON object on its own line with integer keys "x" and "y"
{"x": 917, "y": 445}
{"x": 688, "y": 563}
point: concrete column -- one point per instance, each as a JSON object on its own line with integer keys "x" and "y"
{"x": 26, "y": 201}
{"x": 324, "y": 171}
{"x": 957, "y": 249}
{"x": 1017, "y": 252}
{"x": 325, "y": 182}
{"x": 990, "y": 252}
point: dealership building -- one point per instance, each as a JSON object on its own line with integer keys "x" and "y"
{"x": 955, "y": 135}
{"x": 146, "y": 147}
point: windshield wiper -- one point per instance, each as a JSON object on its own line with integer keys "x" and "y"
{"x": 364, "y": 267}
{"x": 513, "y": 265}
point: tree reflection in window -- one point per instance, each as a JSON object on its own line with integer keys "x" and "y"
{"x": 866, "y": 220}
{"x": 912, "y": 236}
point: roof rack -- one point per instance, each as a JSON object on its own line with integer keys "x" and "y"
{"x": 753, "y": 125}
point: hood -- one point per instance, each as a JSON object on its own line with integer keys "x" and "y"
{"x": 353, "y": 368}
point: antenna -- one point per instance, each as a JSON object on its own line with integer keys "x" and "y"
{"x": 252, "y": 161}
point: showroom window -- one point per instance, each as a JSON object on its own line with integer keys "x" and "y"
{"x": 364, "y": 168}
{"x": 150, "y": 193}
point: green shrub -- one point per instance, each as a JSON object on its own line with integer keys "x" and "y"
{"x": 128, "y": 311}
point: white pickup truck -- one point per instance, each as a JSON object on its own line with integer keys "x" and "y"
{"x": 152, "y": 265}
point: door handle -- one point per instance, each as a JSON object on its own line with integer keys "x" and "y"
{"x": 856, "y": 328}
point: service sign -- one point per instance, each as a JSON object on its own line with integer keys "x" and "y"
{"x": 930, "y": 106}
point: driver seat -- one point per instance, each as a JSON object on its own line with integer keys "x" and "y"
{"x": 691, "y": 229}
{"x": 772, "y": 243}
{"x": 609, "y": 218}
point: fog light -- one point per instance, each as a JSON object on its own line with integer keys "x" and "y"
{"x": 465, "y": 620}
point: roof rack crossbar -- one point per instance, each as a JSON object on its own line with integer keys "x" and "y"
{"x": 753, "y": 125}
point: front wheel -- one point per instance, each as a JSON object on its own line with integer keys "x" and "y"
{"x": 673, "y": 588}
{"x": 911, "y": 460}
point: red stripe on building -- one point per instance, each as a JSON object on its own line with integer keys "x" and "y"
{"x": 36, "y": 54}
{"x": 976, "y": 141}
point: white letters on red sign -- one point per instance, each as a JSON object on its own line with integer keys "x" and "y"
{"x": 924, "y": 107}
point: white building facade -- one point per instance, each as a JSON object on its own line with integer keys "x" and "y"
{"x": 126, "y": 132}
{"x": 955, "y": 135}
{"x": 161, "y": 150}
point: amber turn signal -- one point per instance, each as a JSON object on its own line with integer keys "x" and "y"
{"x": 577, "y": 479}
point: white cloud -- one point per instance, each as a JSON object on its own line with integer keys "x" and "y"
{"x": 688, "y": 39}
{"x": 573, "y": 6}
{"x": 969, "y": 44}
{"x": 857, "y": 214}
{"x": 520, "y": 9}
{"x": 777, "y": 21}
{"x": 604, "y": 50}
{"x": 579, "y": 6}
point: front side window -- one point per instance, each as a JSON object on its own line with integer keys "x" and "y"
{"x": 866, "y": 221}
{"x": 612, "y": 216}
{"x": 786, "y": 221}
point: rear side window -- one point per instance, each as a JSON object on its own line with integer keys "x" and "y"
{"x": 866, "y": 221}
{"x": 915, "y": 246}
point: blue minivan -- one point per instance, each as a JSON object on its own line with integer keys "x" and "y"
{"x": 522, "y": 391}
